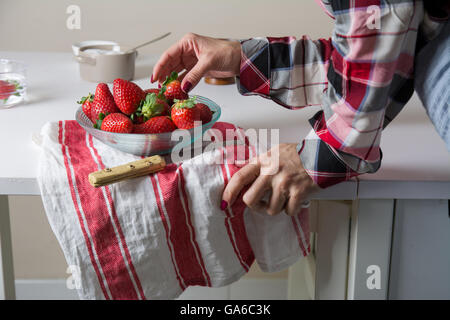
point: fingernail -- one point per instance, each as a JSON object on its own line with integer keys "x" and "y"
{"x": 151, "y": 79}
{"x": 223, "y": 205}
{"x": 159, "y": 85}
{"x": 187, "y": 86}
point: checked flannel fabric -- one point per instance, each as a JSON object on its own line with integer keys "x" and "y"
{"x": 361, "y": 78}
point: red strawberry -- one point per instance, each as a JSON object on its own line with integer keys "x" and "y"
{"x": 184, "y": 113}
{"x": 127, "y": 95}
{"x": 117, "y": 122}
{"x": 205, "y": 112}
{"x": 155, "y": 125}
{"x": 103, "y": 102}
{"x": 137, "y": 119}
{"x": 8, "y": 88}
{"x": 172, "y": 88}
{"x": 152, "y": 90}
{"x": 86, "y": 104}
{"x": 159, "y": 93}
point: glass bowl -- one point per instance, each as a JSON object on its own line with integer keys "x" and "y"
{"x": 149, "y": 144}
{"x": 12, "y": 83}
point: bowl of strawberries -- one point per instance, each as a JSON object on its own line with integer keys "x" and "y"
{"x": 143, "y": 122}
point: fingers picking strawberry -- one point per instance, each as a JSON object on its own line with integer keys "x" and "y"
{"x": 172, "y": 88}
{"x": 127, "y": 95}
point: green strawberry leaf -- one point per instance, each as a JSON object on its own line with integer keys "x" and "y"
{"x": 173, "y": 76}
{"x": 161, "y": 93}
{"x": 101, "y": 117}
{"x": 89, "y": 97}
{"x": 151, "y": 99}
{"x": 151, "y": 107}
{"x": 169, "y": 79}
{"x": 188, "y": 103}
{"x": 83, "y": 100}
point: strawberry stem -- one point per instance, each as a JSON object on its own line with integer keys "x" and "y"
{"x": 169, "y": 79}
{"x": 89, "y": 97}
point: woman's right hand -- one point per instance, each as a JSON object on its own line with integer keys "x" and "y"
{"x": 199, "y": 56}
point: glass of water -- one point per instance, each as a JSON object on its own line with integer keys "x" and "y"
{"x": 12, "y": 83}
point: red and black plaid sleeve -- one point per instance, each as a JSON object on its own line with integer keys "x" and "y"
{"x": 361, "y": 78}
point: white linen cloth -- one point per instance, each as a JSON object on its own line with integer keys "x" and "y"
{"x": 152, "y": 237}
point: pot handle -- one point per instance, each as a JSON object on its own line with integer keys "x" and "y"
{"x": 86, "y": 60}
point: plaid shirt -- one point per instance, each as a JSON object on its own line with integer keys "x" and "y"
{"x": 361, "y": 78}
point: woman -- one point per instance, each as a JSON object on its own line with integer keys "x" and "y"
{"x": 361, "y": 77}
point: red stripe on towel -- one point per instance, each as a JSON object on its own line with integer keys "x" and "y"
{"x": 191, "y": 228}
{"x": 238, "y": 208}
{"x": 118, "y": 226}
{"x": 97, "y": 216}
{"x": 162, "y": 214}
{"x": 303, "y": 219}
{"x": 77, "y": 208}
{"x": 234, "y": 223}
{"x": 299, "y": 238}
{"x": 179, "y": 233}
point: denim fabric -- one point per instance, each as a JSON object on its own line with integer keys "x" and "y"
{"x": 432, "y": 81}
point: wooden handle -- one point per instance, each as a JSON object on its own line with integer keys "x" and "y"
{"x": 219, "y": 81}
{"x": 127, "y": 171}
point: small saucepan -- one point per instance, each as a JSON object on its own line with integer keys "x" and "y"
{"x": 104, "y": 61}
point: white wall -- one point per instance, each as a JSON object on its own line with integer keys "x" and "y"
{"x": 41, "y": 25}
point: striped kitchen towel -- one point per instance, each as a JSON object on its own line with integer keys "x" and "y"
{"x": 154, "y": 236}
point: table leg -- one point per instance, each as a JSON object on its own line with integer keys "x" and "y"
{"x": 7, "y": 286}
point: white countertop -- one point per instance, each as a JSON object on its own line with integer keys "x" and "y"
{"x": 415, "y": 164}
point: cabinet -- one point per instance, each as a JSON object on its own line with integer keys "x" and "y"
{"x": 379, "y": 249}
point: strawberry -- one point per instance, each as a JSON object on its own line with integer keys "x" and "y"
{"x": 205, "y": 112}
{"x": 9, "y": 88}
{"x": 137, "y": 119}
{"x": 103, "y": 102}
{"x": 152, "y": 90}
{"x": 172, "y": 88}
{"x": 86, "y": 104}
{"x": 158, "y": 124}
{"x": 153, "y": 106}
{"x": 116, "y": 122}
{"x": 127, "y": 95}
{"x": 159, "y": 93}
{"x": 184, "y": 113}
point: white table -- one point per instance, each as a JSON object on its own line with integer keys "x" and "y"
{"x": 416, "y": 164}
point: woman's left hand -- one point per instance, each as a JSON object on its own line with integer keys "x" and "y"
{"x": 280, "y": 172}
